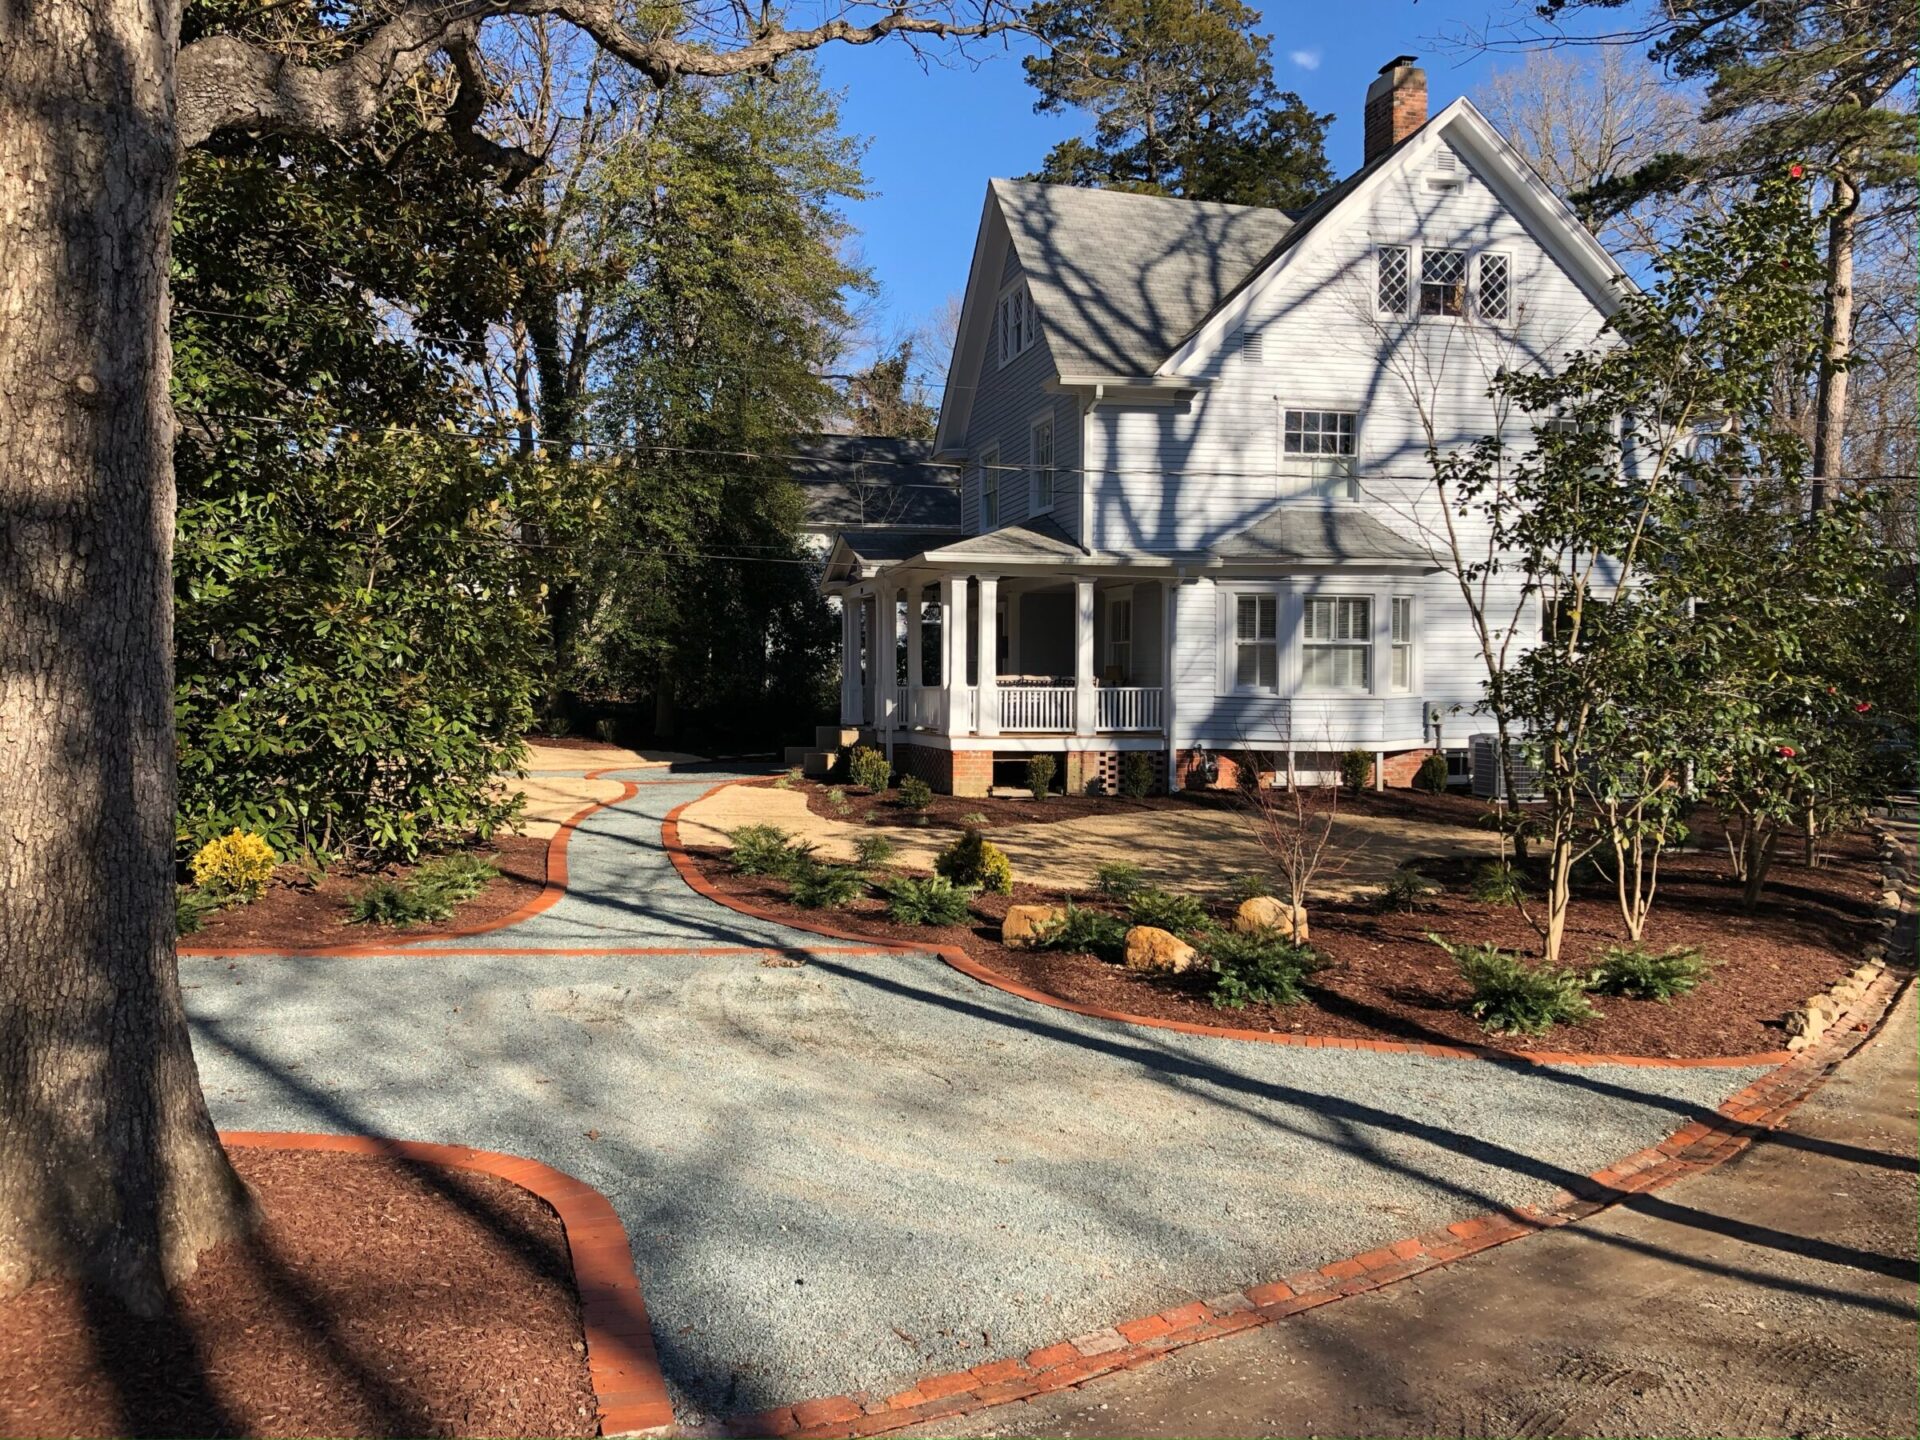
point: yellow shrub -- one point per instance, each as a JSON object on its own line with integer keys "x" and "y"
{"x": 239, "y": 864}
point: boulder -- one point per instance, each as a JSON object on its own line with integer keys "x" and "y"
{"x": 1263, "y": 912}
{"x": 1024, "y": 923}
{"x": 1150, "y": 948}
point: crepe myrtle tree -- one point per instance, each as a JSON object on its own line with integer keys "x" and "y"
{"x": 1607, "y": 513}
{"x": 110, "y": 1169}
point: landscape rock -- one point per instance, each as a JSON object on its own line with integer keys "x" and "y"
{"x": 1025, "y": 923}
{"x": 1263, "y": 912}
{"x": 1151, "y": 948}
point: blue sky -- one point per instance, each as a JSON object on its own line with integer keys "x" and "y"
{"x": 938, "y": 135}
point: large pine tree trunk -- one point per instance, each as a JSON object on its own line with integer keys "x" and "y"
{"x": 109, "y": 1165}
{"x": 1830, "y": 401}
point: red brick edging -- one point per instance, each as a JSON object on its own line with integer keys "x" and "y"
{"x": 953, "y": 955}
{"x": 625, "y": 1371}
{"x": 550, "y": 893}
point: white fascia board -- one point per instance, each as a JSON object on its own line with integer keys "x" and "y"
{"x": 1513, "y": 180}
{"x": 969, "y": 345}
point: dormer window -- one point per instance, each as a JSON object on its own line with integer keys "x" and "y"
{"x": 1017, "y": 327}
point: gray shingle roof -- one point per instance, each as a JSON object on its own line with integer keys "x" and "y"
{"x": 884, "y": 544}
{"x": 1319, "y": 534}
{"x": 874, "y": 480}
{"x": 1038, "y": 539}
{"x": 1121, "y": 279}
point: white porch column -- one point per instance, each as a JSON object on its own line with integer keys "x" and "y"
{"x": 916, "y": 649}
{"x": 953, "y": 651}
{"x": 1086, "y": 700}
{"x": 849, "y": 659}
{"x": 987, "y": 693}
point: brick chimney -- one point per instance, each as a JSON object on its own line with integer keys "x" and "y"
{"x": 1396, "y": 105}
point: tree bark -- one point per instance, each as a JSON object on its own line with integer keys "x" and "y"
{"x": 1836, "y": 343}
{"x": 110, "y": 1169}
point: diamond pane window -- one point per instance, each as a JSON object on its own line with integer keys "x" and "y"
{"x": 1494, "y": 287}
{"x": 1443, "y": 282}
{"x": 1395, "y": 274}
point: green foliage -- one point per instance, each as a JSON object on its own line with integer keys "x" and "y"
{"x": 1136, "y": 775}
{"x": 453, "y": 878}
{"x": 1432, "y": 775}
{"x": 1406, "y": 891}
{"x": 1356, "y": 770}
{"x": 975, "y": 817}
{"x": 1165, "y": 910}
{"x": 1498, "y": 883}
{"x": 873, "y": 851}
{"x": 1511, "y": 997}
{"x": 1117, "y": 879}
{"x": 1085, "y": 932}
{"x": 1636, "y": 973}
{"x": 915, "y": 793}
{"x": 814, "y": 886}
{"x": 869, "y": 768}
{"x": 1183, "y": 102}
{"x": 976, "y": 862}
{"x": 791, "y": 780}
{"x": 236, "y": 866}
{"x": 429, "y": 894}
{"x": 934, "y": 900}
{"x": 768, "y": 850}
{"x": 1040, "y": 770}
{"x": 1249, "y": 887}
{"x": 837, "y": 800}
{"x": 1257, "y": 968}
{"x": 191, "y": 907}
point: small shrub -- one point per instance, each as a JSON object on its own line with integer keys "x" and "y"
{"x": 1249, "y": 887}
{"x": 234, "y": 867}
{"x": 974, "y": 817}
{"x": 191, "y": 907}
{"x": 604, "y": 729}
{"x": 1096, "y": 787}
{"x": 873, "y": 851}
{"x": 767, "y": 850}
{"x": 1085, "y": 932}
{"x": 1498, "y": 883}
{"x": 1356, "y": 770}
{"x": 935, "y": 900}
{"x": 837, "y": 800}
{"x": 825, "y": 887}
{"x": 1636, "y": 973}
{"x": 1432, "y": 775}
{"x": 388, "y": 902}
{"x": 453, "y": 878}
{"x": 1405, "y": 890}
{"x": 1117, "y": 879}
{"x": 790, "y": 780}
{"x": 1164, "y": 910}
{"x": 1136, "y": 775}
{"x": 1258, "y": 968}
{"x": 1511, "y": 997}
{"x": 975, "y": 861}
{"x": 915, "y": 793}
{"x": 1040, "y": 776}
{"x": 869, "y": 768}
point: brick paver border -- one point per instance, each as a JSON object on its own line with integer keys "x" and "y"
{"x": 625, "y": 1371}
{"x": 953, "y": 955}
{"x": 1695, "y": 1147}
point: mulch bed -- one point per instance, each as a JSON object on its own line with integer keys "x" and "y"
{"x": 955, "y": 812}
{"x": 300, "y": 912}
{"x": 378, "y": 1298}
{"x": 1387, "y": 981}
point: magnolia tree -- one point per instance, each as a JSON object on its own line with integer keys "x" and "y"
{"x": 109, "y": 1164}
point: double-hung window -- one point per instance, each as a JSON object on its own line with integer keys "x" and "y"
{"x": 1322, "y": 445}
{"x": 1443, "y": 282}
{"x": 1401, "y": 675}
{"x": 1337, "y": 649}
{"x": 1016, "y": 322}
{"x": 990, "y": 488}
{"x": 1120, "y": 636}
{"x": 1042, "y": 465}
{"x": 1256, "y": 642}
{"x": 1393, "y": 278}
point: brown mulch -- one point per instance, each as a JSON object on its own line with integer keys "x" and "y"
{"x": 377, "y": 1299}
{"x": 300, "y": 912}
{"x": 955, "y": 812}
{"x": 1387, "y": 981}
{"x": 571, "y": 742}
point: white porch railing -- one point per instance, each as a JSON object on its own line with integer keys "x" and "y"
{"x": 923, "y": 706}
{"x": 1027, "y": 708}
{"x": 1129, "y": 707}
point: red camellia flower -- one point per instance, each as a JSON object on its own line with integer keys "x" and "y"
{"x": 1786, "y": 750}
{"x": 1796, "y": 171}
{"x": 1862, "y": 707}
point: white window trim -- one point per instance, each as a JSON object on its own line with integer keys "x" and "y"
{"x": 1412, "y": 643}
{"x": 990, "y": 487}
{"x": 1409, "y": 310}
{"x": 1512, "y": 276}
{"x": 1468, "y": 270}
{"x": 1034, "y": 505}
{"x": 1286, "y": 621}
{"x": 1121, "y": 595}
{"x": 1301, "y": 466}
{"x": 1010, "y": 354}
{"x": 1372, "y": 643}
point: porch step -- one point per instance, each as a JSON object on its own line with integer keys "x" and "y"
{"x": 835, "y": 737}
{"x": 817, "y": 764}
{"x": 797, "y": 755}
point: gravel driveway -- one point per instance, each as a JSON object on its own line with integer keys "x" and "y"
{"x": 849, "y": 1173}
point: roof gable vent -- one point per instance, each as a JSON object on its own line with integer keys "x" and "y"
{"x": 1252, "y": 346}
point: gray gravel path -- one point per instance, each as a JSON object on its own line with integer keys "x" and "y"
{"x": 851, "y": 1173}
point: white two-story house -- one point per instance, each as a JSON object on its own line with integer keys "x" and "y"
{"x": 1198, "y": 516}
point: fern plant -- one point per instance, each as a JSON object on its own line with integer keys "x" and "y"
{"x": 1636, "y": 973}
{"x": 1085, "y": 932}
{"x": 1164, "y": 910}
{"x": 1511, "y": 997}
{"x": 825, "y": 887}
{"x": 934, "y": 900}
{"x": 1258, "y": 968}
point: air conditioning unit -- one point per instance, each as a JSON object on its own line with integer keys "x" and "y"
{"x": 1488, "y": 783}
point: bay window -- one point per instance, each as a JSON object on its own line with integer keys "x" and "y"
{"x": 1337, "y": 645}
{"x": 1256, "y": 642}
{"x": 1400, "y": 677}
